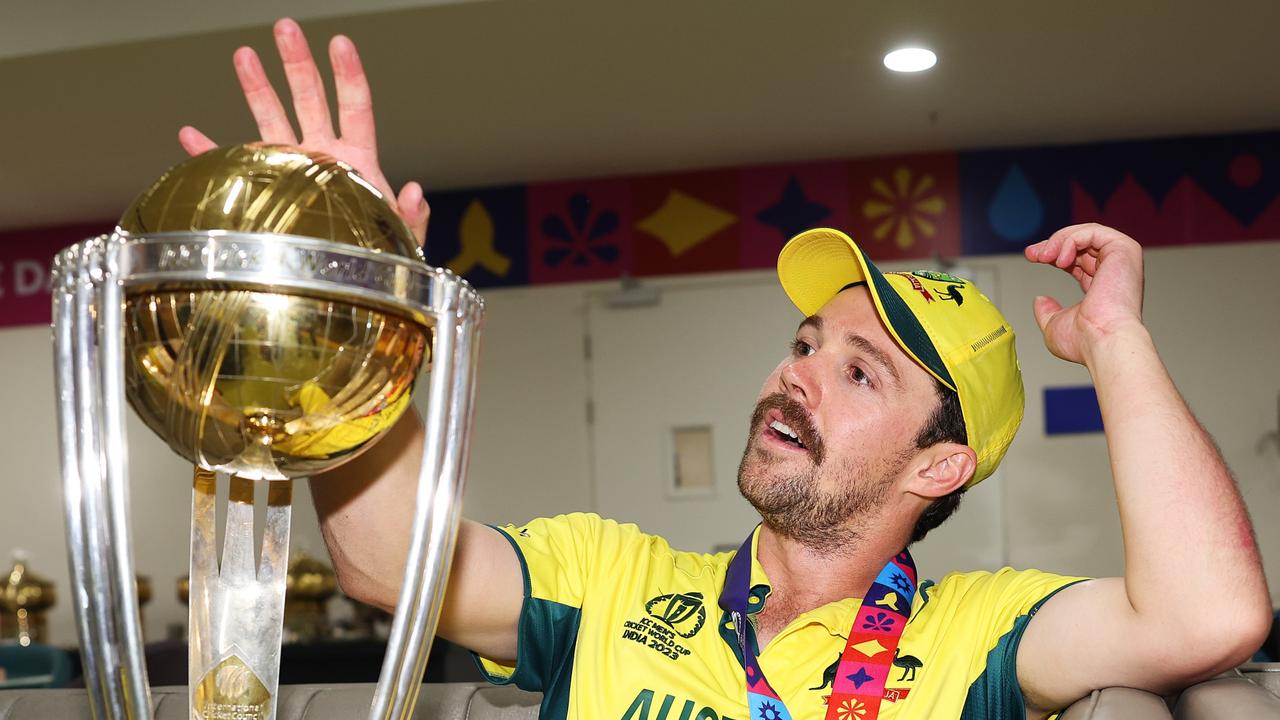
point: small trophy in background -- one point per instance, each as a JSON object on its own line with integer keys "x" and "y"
{"x": 307, "y": 591}
{"x": 25, "y": 600}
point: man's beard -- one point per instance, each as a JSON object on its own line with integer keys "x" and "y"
{"x": 795, "y": 506}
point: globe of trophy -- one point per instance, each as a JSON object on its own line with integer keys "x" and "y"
{"x": 267, "y": 314}
{"x": 259, "y": 384}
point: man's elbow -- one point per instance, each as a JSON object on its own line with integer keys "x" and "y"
{"x": 1251, "y": 629}
{"x": 1232, "y": 638}
{"x": 362, "y": 588}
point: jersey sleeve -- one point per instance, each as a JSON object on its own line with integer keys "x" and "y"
{"x": 993, "y": 610}
{"x": 560, "y": 559}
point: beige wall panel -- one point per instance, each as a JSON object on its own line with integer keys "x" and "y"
{"x": 1212, "y": 310}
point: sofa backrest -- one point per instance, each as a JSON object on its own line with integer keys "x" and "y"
{"x": 1251, "y": 692}
{"x": 438, "y": 701}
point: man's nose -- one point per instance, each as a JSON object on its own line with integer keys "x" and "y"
{"x": 800, "y": 381}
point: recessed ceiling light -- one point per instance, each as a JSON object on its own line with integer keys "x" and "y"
{"x": 910, "y": 59}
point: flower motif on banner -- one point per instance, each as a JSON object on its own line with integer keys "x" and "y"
{"x": 584, "y": 239}
{"x": 851, "y": 709}
{"x": 906, "y": 208}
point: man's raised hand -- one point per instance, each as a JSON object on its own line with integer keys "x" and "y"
{"x": 1108, "y": 265}
{"x": 355, "y": 143}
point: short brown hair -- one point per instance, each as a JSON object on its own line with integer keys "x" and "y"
{"x": 946, "y": 425}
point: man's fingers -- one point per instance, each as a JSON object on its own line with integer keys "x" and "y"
{"x": 194, "y": 141}
{"x": 264, "y": 104}
{"x": 1047, "y": 250}
{"x": 1081, "y": 245}
{"x": 1044, "y": 308}
{"x": 1087, "y": 262}
{"x": 1066, "y": 253}
{"x": 305, "y": 83}
{"x": 414, "y": 210}
{"x": 1082, "y": 277}
{"x": 355, "y": 101}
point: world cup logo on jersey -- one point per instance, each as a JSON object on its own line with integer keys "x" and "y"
{"x": 682, "y": 612}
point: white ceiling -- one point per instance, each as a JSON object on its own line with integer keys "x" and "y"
{"x": 35, "y": 28}
{"x": 472, "y": 93}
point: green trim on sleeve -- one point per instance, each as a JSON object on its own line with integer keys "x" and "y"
{"x": 546, "y": 638}
{"x": 996, "y": 693}
{"x": 524, "y": 566}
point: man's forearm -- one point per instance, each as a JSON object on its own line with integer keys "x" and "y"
{"x": 366, "y": 510}
{"x": 1190, "y": 557}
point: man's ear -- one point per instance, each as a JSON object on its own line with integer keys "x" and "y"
{"x": 942, "y": 469}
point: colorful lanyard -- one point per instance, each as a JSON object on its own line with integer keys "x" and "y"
{"x": 868, "y": 655}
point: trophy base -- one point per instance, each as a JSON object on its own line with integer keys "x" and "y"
{"x": 231, "y": 691}
{"x": 236, "y": 608}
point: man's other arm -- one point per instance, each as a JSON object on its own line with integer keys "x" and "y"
{"x": 1193, "y": 600}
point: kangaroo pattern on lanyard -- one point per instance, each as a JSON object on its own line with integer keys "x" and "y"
{"x": 864, "y": 665}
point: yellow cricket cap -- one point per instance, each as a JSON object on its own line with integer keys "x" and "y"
{"x": 942, "y": 322}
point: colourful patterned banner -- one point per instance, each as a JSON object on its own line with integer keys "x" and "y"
{"x": 1163, "y": 192}
{"x": 26, "y": 257}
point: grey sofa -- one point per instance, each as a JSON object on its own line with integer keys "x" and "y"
{"x": 1250, "y": 693}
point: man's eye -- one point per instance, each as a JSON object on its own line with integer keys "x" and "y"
{"x": 801, "y": 348}
{"x": 858, "y": 376}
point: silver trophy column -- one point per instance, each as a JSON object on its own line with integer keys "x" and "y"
{"x": 91, "y": 282}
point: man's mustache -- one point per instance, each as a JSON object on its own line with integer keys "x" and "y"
{"x": 796, "y": 417}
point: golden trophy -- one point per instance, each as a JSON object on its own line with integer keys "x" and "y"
{"x": 25, "y": 600}
{"x": 307, "y": 590}
{"x": 266, "y": 313}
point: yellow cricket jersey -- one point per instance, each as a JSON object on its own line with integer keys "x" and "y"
{"x": 618, "y": 626}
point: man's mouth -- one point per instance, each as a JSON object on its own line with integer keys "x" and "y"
{"x": 786, "y": 433}
{"x": 777, "y": 429}
{"x": 785, "y": 426}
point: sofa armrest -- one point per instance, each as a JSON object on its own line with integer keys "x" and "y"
{"x": 1118, "y": 703}
{"x": 1229, "y": 696}
{"x": 505, "y": 702}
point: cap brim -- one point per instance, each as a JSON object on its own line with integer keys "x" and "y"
{"x": 817, "y": 264}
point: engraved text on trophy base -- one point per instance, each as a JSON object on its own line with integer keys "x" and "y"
{"x": 232, "y": 691}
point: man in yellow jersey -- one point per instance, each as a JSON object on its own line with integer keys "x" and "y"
{"x": 901, "y": 390}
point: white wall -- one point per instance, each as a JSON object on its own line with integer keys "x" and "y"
{"x": 1212, "y": 311}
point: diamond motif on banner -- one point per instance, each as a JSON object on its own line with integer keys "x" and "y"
{"x": 684, "y": 222}
{"x": 870, "y": 648}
